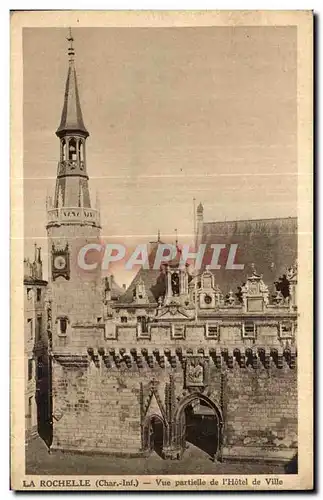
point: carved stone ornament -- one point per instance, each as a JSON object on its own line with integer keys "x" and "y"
{"x": 196, "y": 372}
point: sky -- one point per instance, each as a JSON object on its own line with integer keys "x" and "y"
{"x": 173, "y": 114}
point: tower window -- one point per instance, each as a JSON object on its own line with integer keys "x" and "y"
{"x": 38, "y": 294}
{"x": 30, "y": 369}
{"x": 30, "y": 327}
{"x": 63, "y": 150}
{"x": 63, "y": 325}
{"x": 72, "y": 150}
{"x": 81, "y": 151}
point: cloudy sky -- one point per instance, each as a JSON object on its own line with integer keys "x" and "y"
{"x": 173, "y": 114}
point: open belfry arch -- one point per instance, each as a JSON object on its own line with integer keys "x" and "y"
{"x": 180, "y": 359}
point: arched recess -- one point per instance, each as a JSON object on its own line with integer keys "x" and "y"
{"x": 179, "y": 434}
{"x": 154, "y": 434}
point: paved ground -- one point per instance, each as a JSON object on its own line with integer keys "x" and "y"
{"x": 194, "y": 461}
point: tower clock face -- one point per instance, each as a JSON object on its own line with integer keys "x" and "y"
{"x": 60, "y": 262}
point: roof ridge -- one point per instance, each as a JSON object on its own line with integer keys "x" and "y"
{"x": 251, "y": 220}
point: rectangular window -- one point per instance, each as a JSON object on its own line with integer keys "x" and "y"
{"x": 178, "y": 331}
{"x": 30, "y": 369}
{"x": 124, "y": 319}
{"x": 30, "y": 327}
{"x": 249, "y": 329}
{"x": 28, "y": 293}
{"x": 38, "y": 294}
{"x": 142, "y": 328}
{"x": 286, "y": 329}
{"x": 63, "y": 325}
{"x": 212, "y": 331}
{"x": 142, "y": 320}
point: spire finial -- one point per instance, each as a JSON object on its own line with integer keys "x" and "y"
{"x": 158, "y": 236}
{"x": 71, "y": 51}
{"x": 176, "y": 241}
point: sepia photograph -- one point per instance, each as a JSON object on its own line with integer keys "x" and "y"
{"x": 163, "y": 253}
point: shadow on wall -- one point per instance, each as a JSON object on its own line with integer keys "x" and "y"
{"x": 292, "y": 466}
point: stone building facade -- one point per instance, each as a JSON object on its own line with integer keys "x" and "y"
{"x": 179, "y": 357}
{"x": 36, "y": 346}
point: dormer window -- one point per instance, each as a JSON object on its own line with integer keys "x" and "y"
{"x": 175, "y": 284}
{"x": 124, "y": 319}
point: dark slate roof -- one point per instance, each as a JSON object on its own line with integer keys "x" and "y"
{"x": 72, "y": 119}
{"x": 153, "y": 288}
{"x": 153, "y": 279}
{"x": 269, "y": 244}
{"x": 111, "y": 285}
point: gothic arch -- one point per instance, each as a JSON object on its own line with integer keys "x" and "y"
{"x": 179, "y": 428}
{"x": 153, "y": 439}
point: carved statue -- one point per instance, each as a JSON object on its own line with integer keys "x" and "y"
{"x": 195, "y": 373}
{"x": 230, "y": 300}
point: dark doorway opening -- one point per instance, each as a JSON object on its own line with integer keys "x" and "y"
{"x": 156, "y": 435}
{"x": 202, "y": 429}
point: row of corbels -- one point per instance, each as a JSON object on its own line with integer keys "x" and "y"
{"x": 178, "y": 357}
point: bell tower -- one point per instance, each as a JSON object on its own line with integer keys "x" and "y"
{"x": 72, "y": 224}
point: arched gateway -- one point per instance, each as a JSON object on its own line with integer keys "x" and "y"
{"x": 197, "y": 420}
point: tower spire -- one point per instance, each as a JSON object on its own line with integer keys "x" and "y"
{"x": 72, "y": 118}
{"x": 72, "y": 189}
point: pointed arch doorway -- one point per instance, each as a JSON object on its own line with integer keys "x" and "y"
{"x": 154, "y": 434}
{"x": 198, "y": 422}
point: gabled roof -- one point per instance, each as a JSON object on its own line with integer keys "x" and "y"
{"x": 72, "y": 119}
